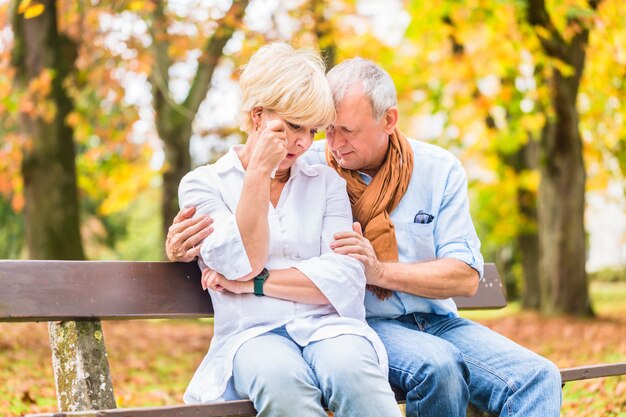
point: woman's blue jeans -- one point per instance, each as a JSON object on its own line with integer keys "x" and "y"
{"x": 442, "y": 363}
{"x": 285, "y": 379}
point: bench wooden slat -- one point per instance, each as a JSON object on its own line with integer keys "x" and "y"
{"x": 578, "y": 373}
{"x": 224, "y": 409}
{"x": 593, "y": 371}
{"x": 490, "y": 293}
{"x": 113, "y": 290}
{"x": 74, "y": 290}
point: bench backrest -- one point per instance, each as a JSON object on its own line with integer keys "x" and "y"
{"x": 112, "y": 290}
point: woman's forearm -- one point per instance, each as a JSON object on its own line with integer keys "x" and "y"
{"x": 251, "y": 216}
{"x": 291, "y": 284}
{"x": 286, "y": 284}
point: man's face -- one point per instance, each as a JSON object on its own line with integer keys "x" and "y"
{"x": 356, "y": 139}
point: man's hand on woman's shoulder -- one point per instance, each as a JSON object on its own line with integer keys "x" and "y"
{"x": 185, "y": 235}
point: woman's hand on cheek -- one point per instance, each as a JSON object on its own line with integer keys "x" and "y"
{"x": 271, "y": 146}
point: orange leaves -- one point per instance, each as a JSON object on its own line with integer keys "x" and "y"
{"x": 34, "y": 101}
{"x": 73, "y": 119}
{"x": 11, "y": 184}
{"x": 41, "y": 85}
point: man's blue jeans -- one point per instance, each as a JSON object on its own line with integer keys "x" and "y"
{"x": 443, "y": 362}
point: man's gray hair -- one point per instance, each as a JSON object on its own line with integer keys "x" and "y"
{"x": 377, "y": 84}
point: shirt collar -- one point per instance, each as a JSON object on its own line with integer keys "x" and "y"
{"x": 299, "y": 166}
{"x": 365, "y": 177}
{"x": 231, "y": 161}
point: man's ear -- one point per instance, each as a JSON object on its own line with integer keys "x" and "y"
{"x": 255, "y": 115}
{"x": 390, "y": 119}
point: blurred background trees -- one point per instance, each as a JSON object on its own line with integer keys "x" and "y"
{"x": 122, "y": 98}
{"x": 43, "y": 58}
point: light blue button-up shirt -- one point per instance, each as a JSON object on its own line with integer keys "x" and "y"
{"x": 438, "y": 187}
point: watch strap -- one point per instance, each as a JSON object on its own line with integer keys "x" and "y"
{"x": 259, "y": 280}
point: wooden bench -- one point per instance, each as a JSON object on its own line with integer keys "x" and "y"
{"x": 89, "y": 291}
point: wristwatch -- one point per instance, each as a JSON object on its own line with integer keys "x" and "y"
{"x": 259, "y": 280}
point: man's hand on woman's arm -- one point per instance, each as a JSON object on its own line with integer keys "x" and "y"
{"x": 439, "y": 278}
{"x": 357, "y": 246}
{"x": 185, "y": 235}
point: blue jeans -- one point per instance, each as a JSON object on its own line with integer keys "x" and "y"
{"x": 285, "y": 379}
{"x": 442, "y": 363}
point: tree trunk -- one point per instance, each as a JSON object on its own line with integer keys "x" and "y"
{"x": 528, "y": 243}
{"x": 174, "y": 120}
{"x": 178, "y": 163}
{"x": 51, "y": 208}
{"x": 528, "y": 239}
{"x": 561, "y": 208}
{"x": 49, "y": 167}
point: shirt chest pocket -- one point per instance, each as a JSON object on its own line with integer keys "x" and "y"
{"x": 307, "y": 242}
{"x": 301, "y": 236}
{"x": 415, "y": 241}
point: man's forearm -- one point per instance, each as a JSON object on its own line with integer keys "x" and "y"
{"x": 438, "y": 279}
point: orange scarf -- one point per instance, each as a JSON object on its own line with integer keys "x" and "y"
{"x": 371, "y": 204}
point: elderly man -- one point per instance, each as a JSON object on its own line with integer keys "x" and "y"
{"x": 419, "y": 248}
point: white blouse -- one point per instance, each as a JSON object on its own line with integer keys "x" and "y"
{"x": 312, "y": 207}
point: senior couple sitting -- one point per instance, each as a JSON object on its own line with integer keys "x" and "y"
{"x": 331, "y": 264}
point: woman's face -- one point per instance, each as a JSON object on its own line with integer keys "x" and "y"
{"x": 299, "y": 138}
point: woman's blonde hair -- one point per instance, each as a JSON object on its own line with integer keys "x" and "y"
{"x": 289, "y": 82}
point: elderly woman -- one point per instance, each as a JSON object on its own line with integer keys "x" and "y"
{"x": 290, "y": 331}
